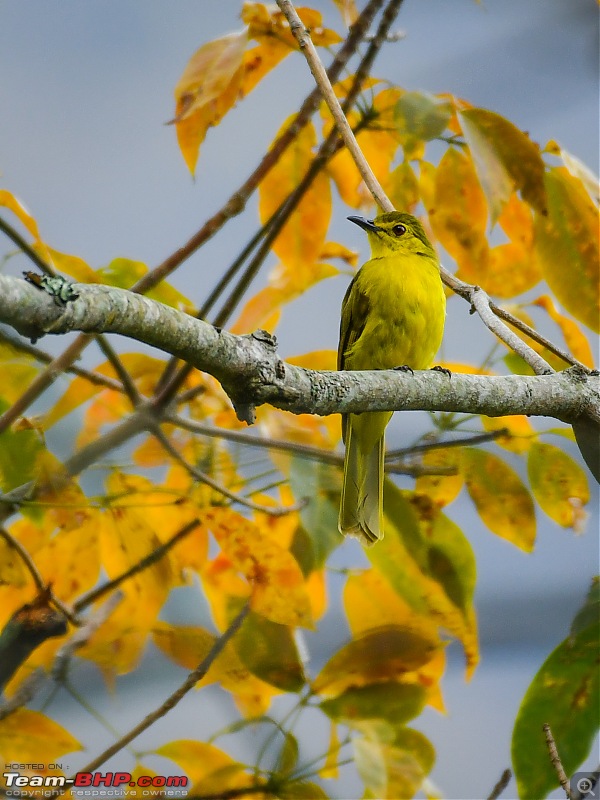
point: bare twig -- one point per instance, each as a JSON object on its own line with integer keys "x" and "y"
{"x": 119, "y": 368}
{"x": 555, "y": 759}
{"x": 503, "y": 782}
{"x": 26, "y": 248}
{"x": 202, "y": 477}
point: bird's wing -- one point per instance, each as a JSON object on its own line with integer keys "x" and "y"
{"x": 355, "y": 309}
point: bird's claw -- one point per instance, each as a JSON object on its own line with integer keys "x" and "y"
{"x": 443, "y": 370}
{"x": 404, "y": 368}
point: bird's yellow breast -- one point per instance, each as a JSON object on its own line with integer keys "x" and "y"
{"x": 405, "y": 320}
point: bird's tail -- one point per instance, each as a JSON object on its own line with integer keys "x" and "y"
{"x": 361, "y": 506}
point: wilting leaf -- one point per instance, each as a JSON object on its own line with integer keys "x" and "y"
{"x": 269, "y": 651}
{"x": 500, "y": 497}
{"x": 381, "y": 654}
{"x": 203, "y": 762}
{"x": 394, "y": 702}
{"x": 558, "y": 483}
{"x": 568, "y": 247}
{"x": 506, "y": 159}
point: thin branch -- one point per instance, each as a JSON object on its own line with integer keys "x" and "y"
{"x": 308, "y": 451}
{"x": 503, "y": 782}
{"x": 152, "y": 558}
{"x": 466, "y": 441}
{"x": 481, "y": 303}
{"x": 113, "y": 359}
{"x": 173, "y": 699}
{"x": 45, "y": 379}
{"x": 555, "y": 759}
{"x": 26, "y": 248}
{"x": 40, "y": 355}
{"x": 202, "y": 477}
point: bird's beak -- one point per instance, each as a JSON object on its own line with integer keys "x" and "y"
{"x": 367, "y": 224}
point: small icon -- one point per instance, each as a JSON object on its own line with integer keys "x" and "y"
{"x": 586, "y": 784}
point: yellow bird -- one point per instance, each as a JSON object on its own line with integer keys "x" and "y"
{"x": 392, "y": 316}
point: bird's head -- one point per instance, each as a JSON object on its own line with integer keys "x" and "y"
{"x": 395, "y": 232}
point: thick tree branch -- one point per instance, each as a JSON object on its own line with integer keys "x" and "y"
{"x": 252, "y": 373}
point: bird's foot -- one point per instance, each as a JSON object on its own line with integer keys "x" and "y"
{"x": 404, "y": 368}
{"x": 443, "y": 370}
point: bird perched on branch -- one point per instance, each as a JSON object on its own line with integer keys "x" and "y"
{"x": 392, "y": 317}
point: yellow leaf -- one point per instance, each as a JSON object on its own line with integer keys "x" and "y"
{"x": 128, "y": 535}
{"x": 337, "y": 250}
{"x": 202, "y": 761}
{"x": 207, "y": 89}
{"x": 500, "y": 497}
{"x": 317, "y": 359}
{"x": 459, "y": 215}
{"x": 8, "y": 200}
{"x": 519, "y": 432}
{"x": 25, "y": 734}
{"x": 301, "y": 240}
{"x": 506, "y": 159}
{"x": 579, "y": 170}
{"x": 516, "y": 220}
{"x": 441, "y": 489}
{"x": 348, "y": 10}
{"x": 12, "y": 569}
{"x": 260, "y": 60}
{"x": 208, "y": 73}
{"x": 267, "y": 21}
{"x": 385, "y": 653}
{"x": 264, "y": 308}
{"x": 575, "y": 339}
{"x": 379, "y": 143}
{"x": 278, "y": 588}
{"x": 404, "y": 188}
{"x": 74, "y": 266}
{"x": 568, "y": 247}
{"x": 188, "y": 646}
{"x": 559, "y": 485}
{"x": 511, "y": 270}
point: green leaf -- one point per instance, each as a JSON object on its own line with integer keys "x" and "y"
{"x": 567, "y": 246}
{"x": 505, "y": 158}
{"x": 452, "y": 561}
{"x": 391, "y": 701}
{"x": 18, "y": 452}
{"x": 125, "y": 272}
{"x": 419, "y": 115}
{"x": 565, "y": 694}
{"x": 321, "y": 483}
{"x": 589, "y": 613}
{"x": 500, "y": 497}
{"x": 288, "y": 756}
{"x": 558, "y": 484}
{"x": 268, "y": 650}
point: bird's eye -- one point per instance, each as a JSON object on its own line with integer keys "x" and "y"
{"x": 398, "y": 230}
